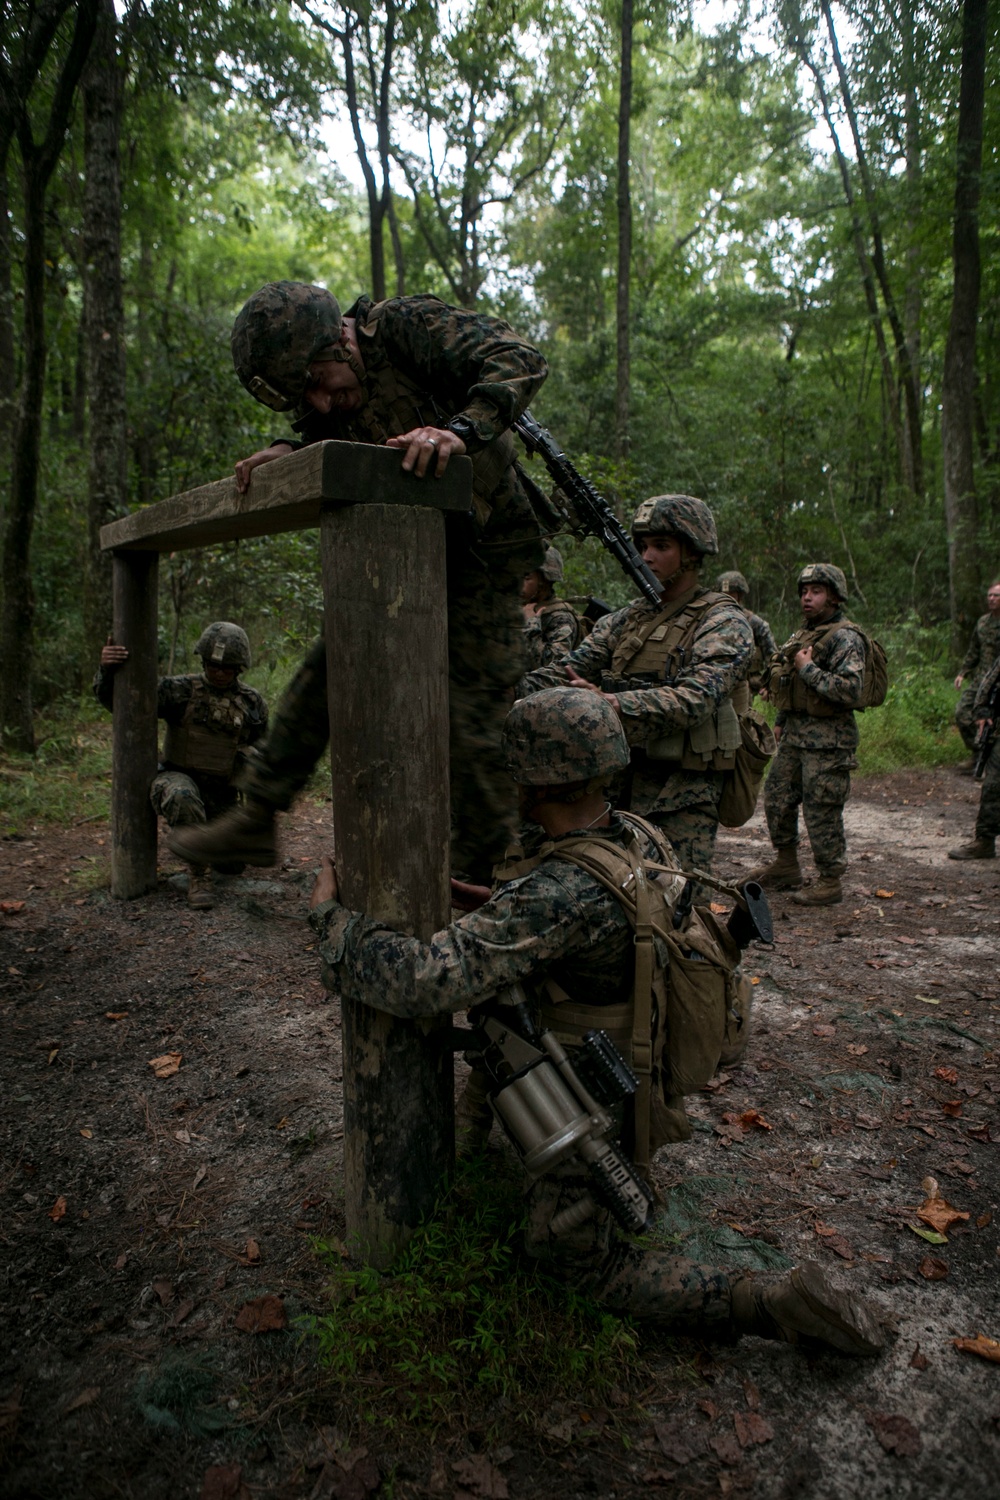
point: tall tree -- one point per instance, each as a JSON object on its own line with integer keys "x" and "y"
{"x": 959, "y": 382}
{"x": 29, "y": 43}
{"x": 623, "y": 365}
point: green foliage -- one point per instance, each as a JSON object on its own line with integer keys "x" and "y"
{"x": 915, "y": 725}
{"x": 464, "y": 1325}
{"x": 67, "y": 781}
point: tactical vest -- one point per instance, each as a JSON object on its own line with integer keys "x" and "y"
{"x": 785, "y": 686}
{"x": 655, "y": 648}
{"x": 208, "y": 736}
{"x": 396, "y": 404}
{"x": 689, "y": 997}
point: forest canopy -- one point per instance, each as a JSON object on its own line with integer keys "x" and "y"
{"x": 757, "y": 244}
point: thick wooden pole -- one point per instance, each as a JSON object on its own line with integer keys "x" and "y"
{"x": 387, "y": 656}
{"x": 133, "y": 766}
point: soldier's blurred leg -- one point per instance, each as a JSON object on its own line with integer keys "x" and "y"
{"x": 965, "y": 719}
{"x": 177, "y": 799}
{"x": 826, "y": 786}
{"x": 983, "y": 846}
{"x": 782, "y": 795}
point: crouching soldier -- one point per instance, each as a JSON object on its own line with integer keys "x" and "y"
{"x": 561, "y": 934}
{"x": 816, "y": 682}
{"x": 211, "y": 718}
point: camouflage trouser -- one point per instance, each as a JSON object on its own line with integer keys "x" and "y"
{"x": 964, "y": 716}
{"x": 988, "y": 821}
{"x": 819, "y": 780}
{"x": 630, "y": 1279}
{"x": 484, "y": 660}
{"x": 686, "y": 809}
{"x": 179, "y": 798}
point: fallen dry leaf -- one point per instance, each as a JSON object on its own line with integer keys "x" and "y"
{"x": 122, "y": 1261}
{"x": 896, "y": 1434}
{"x": 947, "y": 1075}
{"x": 184, "y": 1310}
{"x": 938, "y": 1213}
{"x": 116, "y": 1015}
{"x": 726, "y": 1446}
{"x": 980, "y": 1133}
{"x": 252, "y": 1253}
{"x": 885, "y": 895}
{"x": 481, "y": 1477}
{"x": 986, "y": 1348}
{"x": 58, "y": 1209}
{"x": 677, "y": 1443}
{"x": 824, "y": 1030}
{"x": 224, "y": 1482}
{"x": 840, "y": 1247}
{"x": 164, "y": 1289}
{"x": 752, "y": 1428}
{"x": 10, "y": 907}
{"x": 199, "y": 1178}
{"x": 750, "y": 1119}
{"x": 262, "y": 1315}
{"x": 710, "y": 1409}
{"x": 87, "y": 1133}
{"x": 857, "y": 1049}
{"x": 984, "y": 1220}
{"x": 166, "y": 1065}
{"x": 952, "y": 1107}
{"x": 85, "y": 1398}
{"x": 933, "y": 1269}
{"x": 918, "y": 1360}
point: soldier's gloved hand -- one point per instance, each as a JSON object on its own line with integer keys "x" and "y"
{"x": 112, "y": 655}
{"x": 246, "y": 466}
{"x": 325, "y": 888}
{"x": 422, "y": 444}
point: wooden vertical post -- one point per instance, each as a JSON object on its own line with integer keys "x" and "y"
{"x": 387, "y": 656}
{"x": 133, "y": 764}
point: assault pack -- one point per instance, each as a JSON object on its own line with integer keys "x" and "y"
{"x": 788, "y": 691}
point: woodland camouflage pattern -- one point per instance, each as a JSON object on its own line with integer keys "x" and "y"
{"x": 678, "y": 515}
{"x": 185, "y": 796}
{"x": 224, "y": 645}
{"x": 825, "y": 573}
{"x": 550, "y": 634}
{"x": 988, "y": 819}
{"x": 557, "y": 922}
{"x": 563, "y": 735}
{"x": 764, "y": 649}
{"x": 682, "y": 803}
{"x": 984, "y": 650}
{"x": 278, "y": 333}
{"x": 732, "y": 583}
{"x": 454, "y": 363}
{"x": 816, "y": 755}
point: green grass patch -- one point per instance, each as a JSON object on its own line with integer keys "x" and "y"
{"x": 67, "y": 780}
{"x": 464, "y": 1327}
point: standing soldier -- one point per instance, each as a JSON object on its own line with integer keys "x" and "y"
{"x": 432, "y": 381}
{"x": 676, "y": 677}
{"x": 560, "y": 932}
{"x": 212, "y": 718}
{"x": 764, "y": 645}
{"x": 984, "y": 715}
{"x": 984, "y": 649}
{"x": 816, "y": 682}
{"x": 552, "y": 626}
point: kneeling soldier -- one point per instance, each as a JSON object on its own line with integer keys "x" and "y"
{"x": 560, "y": 933}
{"x": 211, "y": 718}
{"x": 816, "y": 682}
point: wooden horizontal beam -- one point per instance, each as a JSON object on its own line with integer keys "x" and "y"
{"x": 287, "y": 495}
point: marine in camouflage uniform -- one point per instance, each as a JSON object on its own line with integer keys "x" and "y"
{"x": 817, "y": 737}
{"x": 415, "y": 373}
{"x": 983, "y": 845}
{"x": 984, "y": 650}
{"x": 552, "y": 627}
{"x": 212, "y": 720}
{"x": 676, "y": 675}
{"x": 764, "y": 645}
{"x": 558, "y": 923}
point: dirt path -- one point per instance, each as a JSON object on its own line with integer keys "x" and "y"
{"x": 138, "y": 1214}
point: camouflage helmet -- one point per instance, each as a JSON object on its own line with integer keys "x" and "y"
{"x": 552, "y": 567}
{"x": 732, "y": 583}
{"x": 223, "y": 644}
{"x": 563, "y": 735}
{"x": 678, "y": 515}
{"x": 277, "y": 335}
{"x": 827, "y": 574}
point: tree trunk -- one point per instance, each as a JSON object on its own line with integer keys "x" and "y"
{"x": 958, "y": 385}
{"x": 8, "y": 362}
{"x": 104, "y": 317}
{"x": 624, "y": 201}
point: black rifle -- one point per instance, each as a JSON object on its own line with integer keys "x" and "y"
{"x": 585, "y": 511}
{"x": 985, "y": 736}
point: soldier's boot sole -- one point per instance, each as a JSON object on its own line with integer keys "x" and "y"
{"x": 807, "y": 1308}
{"x": 240, "y": 835}
{"x": 200, "y": 895}
{"x": 978, "y": 849}
{"x": 825, "y": 892}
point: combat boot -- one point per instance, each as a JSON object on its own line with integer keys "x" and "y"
{"x": 826, "y": 892}
{"x": 978, "y": 849}
{"x": 783, "y": 873}
{"x": 806, "y": 1308}
{"x": 200, "y": 894}
{"x": 242, "y": 833}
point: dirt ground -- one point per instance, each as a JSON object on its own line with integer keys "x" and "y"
{"x": 139, "y": 1214}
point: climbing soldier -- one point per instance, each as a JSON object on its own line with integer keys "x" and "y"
{"x": 431, "y": 381}
{"x": 557, "y": 931}
{"x": 676, "y": 677}
{"x": 212, "y": 719}
{"x": 764, "y": 645}
{"x": 816, "y": 682}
